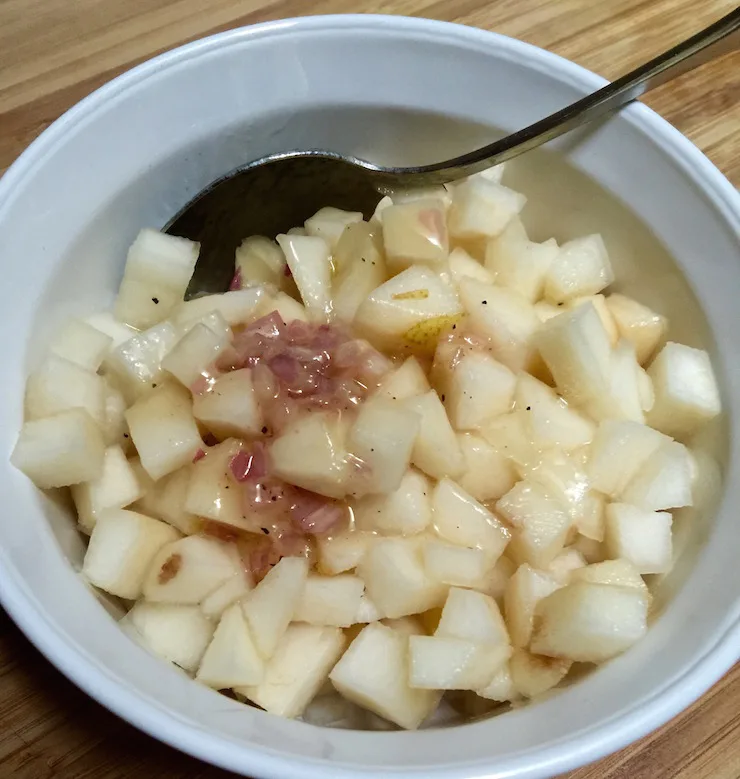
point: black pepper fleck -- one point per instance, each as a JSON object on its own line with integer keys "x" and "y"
{"x": 265, "y": 530}
{"x": 264, "y": 429}
{"x": 125, "y": 435}
{"x": 155, "y": 301}
{"x": 529, "y": 408}
{"x": 485, "y": 302}
{"x": 442, "y": 398}
{"x": 454, "y": 327}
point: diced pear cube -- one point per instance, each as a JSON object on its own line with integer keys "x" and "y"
{"x": 638, "y": 324}
{"x": 360, "y": 268}
{"x": 686, "y": 393}
{"x": 459, "y": 518}
{"x": 57, "y": 451}
{"x": 480, "y": 388}
{"x": 533, "y": 675}
{"x": 367, "y": 612}
{"x": 157, "y": 273}
{"x": 330, "y": 223}
{"x": 138, "y": 361}
{"x": 333, "y": 601}
{"x": 495, "y": 582}
{"x": 623, "y": 398}
{"x": 581, "y": 267}
{"x": 510, "y": 437}
{"x": 526, "y": 588}
{"x": 237, "y": 307}
{"x": 501, "y": 687}
{"x": 311, "y": 453}
{"x": 194, "y": 353}
{"x": 115, "y": 488}
{"x": 599, "y": 303}
{"x": 455, "y": 565}
{"x": 504, "y": 317}
{"x": 190, "y": 569}
{"x": 180, "y": 634}
{"x": 590, "y": 623}
{"x": 343, "y": 551}
{"x": 309, "y": 260}
{"x": 442, "y": 663}
{"x": 488, "y": 474}
{"x": 122, "y": 547}
{"x": 620, "y": 573}
{"x": 373, "y": 673}
{"x": 541, "y": 524}
{"x": 474, "y": 616}
{"x": 563, "y": 479}
{"x": 230, "y": 407}
{"x": 592, "y": 550}
{"x": 383, "y": 436}
{"x": 165, "y": 499}
{"x": 415, "y": 232}
{"x": 259, "y": 260}
{"x": 639, "y": 536}
{"x": 462, "y": 265}
{"x": 163, "y": 430}
{"x": 406, "y": 511}
{"x": 409, "y": 311}
{"x": 562, "y": 568}
{"x": 395, "y": 579}
{"x": 664, "y": 481}
{"x": 435, "y": 450}
{"x": 227, "y": 594}
{"x": 82, "y": 344}
{"x": 405, "y": 382}
{"x": 270, "y": 606}
{"x": 299, "y": 668}
{"x": 482, "y": 208}
{"x": 59, "y": 385}
{"x": 231, "y": 659}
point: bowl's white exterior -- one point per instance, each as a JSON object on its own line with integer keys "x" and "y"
{"x": 135, "y": 151}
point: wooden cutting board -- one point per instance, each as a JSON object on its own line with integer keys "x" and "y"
{"x": 54, "y": 52}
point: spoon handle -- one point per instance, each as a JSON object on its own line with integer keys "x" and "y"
{"x": 719, "y": 38}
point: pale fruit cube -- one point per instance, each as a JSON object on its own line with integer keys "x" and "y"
{"x": 504, "y": 317}
{"x": 165, "y": 499}
{"x": 455, "y": 565}
{"x": 562, "y": 568}
{"x": 330, "y": 223}
{"x": 298, "y": 669}
{"x": 488, "y": 474}
{"x": 104, "y": 322}
{"x": 541, "y": 524}
{"x": 510, "y": 437}
{"x": 237, "y": 307}
{"x": 548, "y": 418}
{"x": 546, "y": 311}
{"x": 115, "y": 488}
{"x": 686, "y": 393}
{"x": 620, "y": 573}
{"x": 333, "y": 601}
{"x": 395, "y": 579}
{"x": 230, "y": 406}
{"x": 442, "y": 663}
{"x": 518, "y": 263}
{"x": 524, "y": 590}
{"x": 270, "y": 606}
{"x": 406, "y": 511}
{"x": 373, "y": 673}
{"x": 194, "y": 353}
{"x": 405, "y": 382}
{"x": 288, "y": 308}
{"x": 367, "y": 612}
{"x": 639, "y": 536}
{"x": 619, "y": 450}
{"x": 592, "y": 550}
{"x": 311, "y": 453}
{"x": 576, "y": 348}
{"x": 122, "y": 547}
{"x": 82, "y": 344}
{"x": 59, "y": 385}
{"x": 462, "y": 265}
{"x": 533, "y": 675}
{"x": 479, "y": 389}
{"x": 581, "y": 267}
{"x": 180, "y": 634}
{"x": 664, "y": 481}
{"x": 259, "y": 260}
{"x": 376, "y": 220}
{"x": 459, "y": 518}
{"x": 473, "y": 616}
{"x": 157, "y": 273}
{"x": 138, "y": 361}
{"x": 57, "y": 451}
{"x": 482, "y": 208}
{"x": 190, "y": 569}
{"x": 343, "y": 551}
{"x": 309, "y": 260}
{"x": 360, "y": 268}
{"x": 623, "y": 398}
{"x": 383, "y": 437}
{"x": 599, "y": 303}
{"x": 495, "y": 582}
{"x": 435, "y": 450}
{"x": 501, "y": 686}
{"x": 163, "y": 430}
{"x": 231, "y": 659}
{"x": 415, "y": 232}
{"x": 562, "y": 479}
{"x": 590, "y": 623}
{"x": 409, "y": 310}
{"x": 638, "y": 324}
{"x": 227, "y": 594}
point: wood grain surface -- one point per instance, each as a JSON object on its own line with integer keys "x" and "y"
{"x": 54, "y": 52}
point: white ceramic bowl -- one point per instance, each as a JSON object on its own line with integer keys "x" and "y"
{"x": 136, "y": 150}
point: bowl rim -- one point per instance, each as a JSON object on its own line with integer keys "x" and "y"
{"x": 144, "y": 712}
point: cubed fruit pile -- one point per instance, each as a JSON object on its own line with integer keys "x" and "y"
{"x": 400, "y": 460}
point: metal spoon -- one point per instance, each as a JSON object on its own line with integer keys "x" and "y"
{"x": 273, "y": 194}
